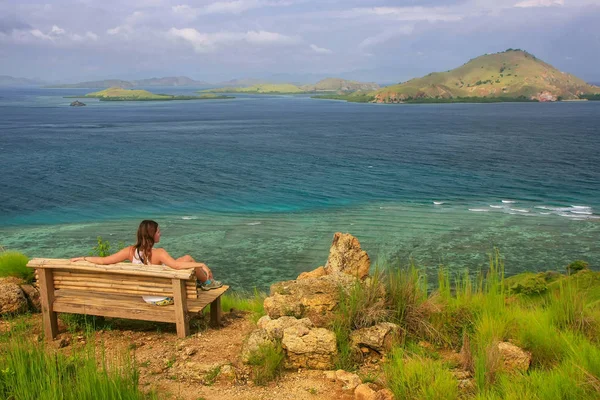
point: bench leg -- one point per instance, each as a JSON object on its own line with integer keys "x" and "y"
{"x": 181, "y": 315}
{"x": 215, "y": 313}
{"x": 49, "y": 317}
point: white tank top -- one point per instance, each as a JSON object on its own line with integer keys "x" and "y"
{"x": 137, "y": 259}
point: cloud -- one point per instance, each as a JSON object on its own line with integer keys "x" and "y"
{"x": 385, "y": 36}
{"x": 320, "y": 50}
{"x": 127, "y": 27}
{"x": 55, "y": 35}
{"x": 226, "y": 7}
{"x": 540, "y": 3}
{"x": 207, "y": 42}
{"x": 405, "y": 13}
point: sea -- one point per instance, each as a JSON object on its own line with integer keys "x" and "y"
{"x": 257, "y": 186}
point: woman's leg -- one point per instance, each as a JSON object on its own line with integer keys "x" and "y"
{"x": 202, "y": 274}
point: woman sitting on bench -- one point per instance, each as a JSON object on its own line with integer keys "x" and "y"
{"x": 148, "y": 234}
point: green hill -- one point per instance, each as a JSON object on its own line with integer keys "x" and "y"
{"x": 512, "y": 74}
{"x": 339, "y": 85}
{"x": 325, "y": 85}
{"x": 266, "y": 88}
{"x": 120, "y": 94}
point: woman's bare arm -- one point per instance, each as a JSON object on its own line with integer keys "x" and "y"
{"x": 119, "y": 256}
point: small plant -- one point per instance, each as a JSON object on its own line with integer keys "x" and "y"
{"x": 212, "y": 375}
{"x": 102, "y": 249}
{"x": 577, "y": 266}
{"x": 13, "y": 263}
{"x": 266, "y": 362}
{"x": 530, "y": 285}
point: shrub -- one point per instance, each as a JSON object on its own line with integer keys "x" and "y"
{"x": 577, "y": 266}
{"x": 266, "y": 363}
{"x": 13, "y": 263}
{"x": 530, "y": 285}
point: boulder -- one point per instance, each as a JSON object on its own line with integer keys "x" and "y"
{"x": 276, "y": 327}
{"x": 346, "y": 256}
{"x": 513, "y": 357}
{"x": 77, "y": 103}
{"x": 309, "y": 348}
{"x": 12, "y": 298}
{"x": 380, "y": 337}
{"x": 365, "y": 391}
{"x": 33, "y": 296}
{"x": 313, "y": 298}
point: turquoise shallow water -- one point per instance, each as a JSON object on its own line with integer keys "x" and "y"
{"x": 257, "y": 186}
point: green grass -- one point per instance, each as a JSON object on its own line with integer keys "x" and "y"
{"x": 31, "y": 371}
{"x": 419, "y": 378}
{"x": 266, "y": 362}
{"x": 14, "y": 264}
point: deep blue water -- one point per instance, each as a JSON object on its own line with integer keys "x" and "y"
{"x": 285, "y": 156}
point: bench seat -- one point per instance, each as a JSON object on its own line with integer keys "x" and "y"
{"x": 116, "y": 291}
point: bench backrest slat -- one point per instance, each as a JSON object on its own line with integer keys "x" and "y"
{"x": 113, "y": 279}
{"x": 159, "y": 271}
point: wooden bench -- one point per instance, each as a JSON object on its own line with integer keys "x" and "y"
{"x": 116, "y": 290}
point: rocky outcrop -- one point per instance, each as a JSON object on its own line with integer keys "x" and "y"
{"x": 346, "y": 256}
{"x": 380, "y": 337}
{"x": 77, "y": 103}
{"x": 299, "y": 311}
{"x": 513, "y": 357}
{"x": 313, "y": 298}
{"x": 12, "y": 298}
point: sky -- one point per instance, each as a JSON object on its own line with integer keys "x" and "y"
{"x": 301, "y": 41}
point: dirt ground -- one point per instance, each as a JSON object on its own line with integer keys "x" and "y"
{"x": 186, "y": 369}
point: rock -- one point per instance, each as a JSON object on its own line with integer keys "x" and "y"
{"x": 330, "y": 376}
{"x": 312, "y": 349}
{"x": 12, "y": 298}
{"x": 228, "y": 373}
{"x": 33, "y": 296}
{"x": 513, "y": 357}
{"x": 276, "y": 327}
{"x": 380, "y": 337}
{"x": 313, "y": 274}
{"x": 346, "y": 256}
{"x": 365, "y": 391}
{"x": 313, "y": 298}
{"x": 255, "y": 340}
{"x": 61, "y": 342}
{"x": 189, "y": 351}
{"x": 351, "y": 381}
{"x": 77, "y": 103}
{"x": 384, "y": 394}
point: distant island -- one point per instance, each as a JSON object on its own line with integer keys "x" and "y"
{"x": 334, "y": 85}
{"x": 109, "y": 83}
{"x": 512, "y": 75}
{"x": 121, "y": 94}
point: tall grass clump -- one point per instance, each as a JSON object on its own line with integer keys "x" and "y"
{"x": 30, "y": 371}
{"x": 266, "y": 362}
{"x": 360, "y": 306}
{"x": 13, "y": 263}
{"x": 418, "y": 378}
{"x": 243, "y": 302}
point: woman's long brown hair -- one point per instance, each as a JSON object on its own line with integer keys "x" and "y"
{"x": 145, "y": 240}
